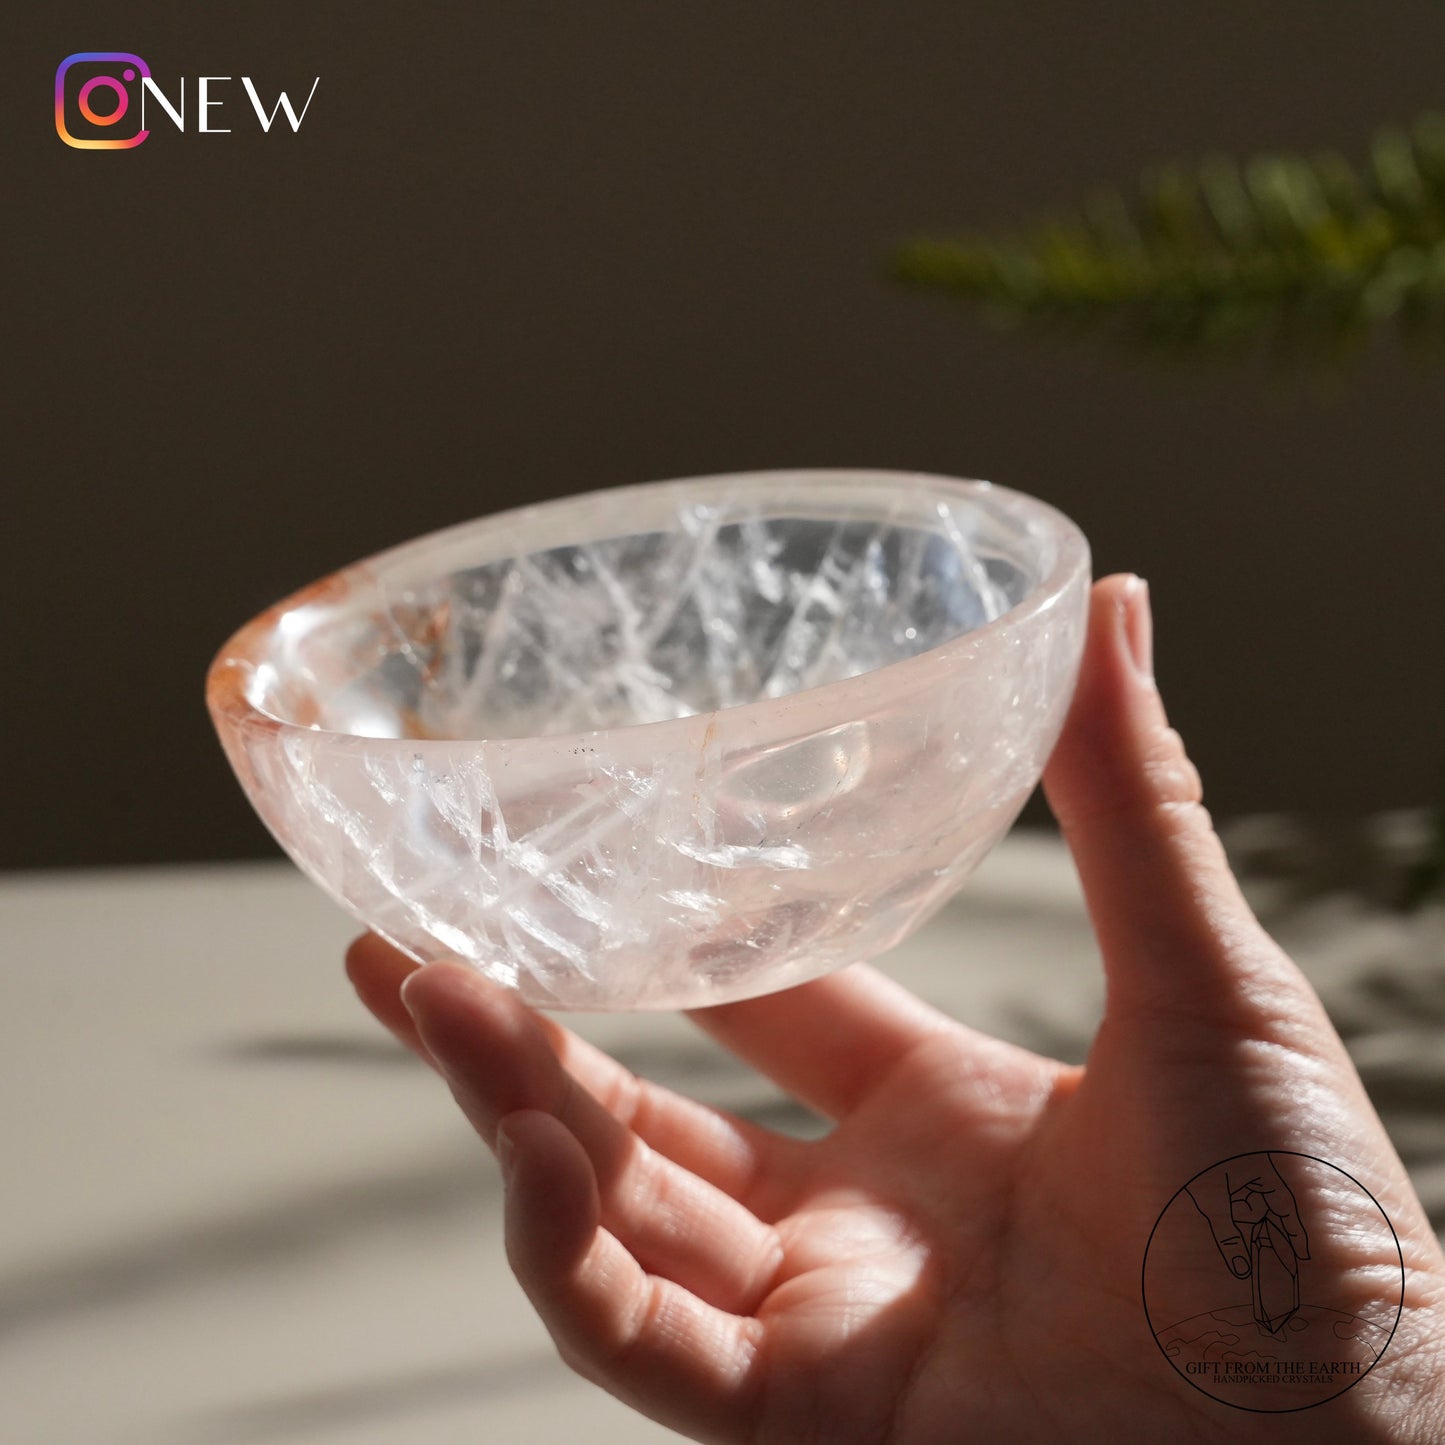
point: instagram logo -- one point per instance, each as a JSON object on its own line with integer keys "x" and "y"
{"x": 101, "y": 95}
{"x": 97, "y": 104}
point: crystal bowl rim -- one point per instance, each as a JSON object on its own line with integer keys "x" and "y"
{"x": 232, "y": 665}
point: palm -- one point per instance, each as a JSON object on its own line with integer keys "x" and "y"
{"x": 887, "y": 1237}
{"x": 960, "y": 1211}
{"x": 906, "y": 1243}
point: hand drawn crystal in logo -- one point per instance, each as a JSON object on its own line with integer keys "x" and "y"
{"x": 1273, "y": 1281}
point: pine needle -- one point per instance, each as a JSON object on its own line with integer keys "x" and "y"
{"x": 1300, "y": 256}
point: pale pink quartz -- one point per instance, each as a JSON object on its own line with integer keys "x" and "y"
{"x": 668, "y": 745}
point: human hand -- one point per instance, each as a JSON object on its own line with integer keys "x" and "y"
{"x": 959, "y": 1259}
{"x": 1245, "y": 1192}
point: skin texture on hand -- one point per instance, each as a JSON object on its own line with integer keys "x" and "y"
{"x": 959, "y": 1258}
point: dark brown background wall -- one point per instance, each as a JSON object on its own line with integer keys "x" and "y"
{"x": 524, "y": 249}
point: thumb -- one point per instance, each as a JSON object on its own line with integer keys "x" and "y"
{"x": 1173, "y": 927}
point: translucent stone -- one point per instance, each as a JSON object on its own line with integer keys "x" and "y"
{"x": 670, "y": 745}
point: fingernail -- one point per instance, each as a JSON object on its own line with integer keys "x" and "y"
{"x": 1240, "y": 1265}
{"x": 506, "y": 1150}
{"x": 406, "y": 988}
{"x": 1138, "y": 627}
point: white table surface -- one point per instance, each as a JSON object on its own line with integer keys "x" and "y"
{"x": 236, "y": 1213}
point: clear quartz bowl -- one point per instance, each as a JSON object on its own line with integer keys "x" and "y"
{"x": 670, "y": 745}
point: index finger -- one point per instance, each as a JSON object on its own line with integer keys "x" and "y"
{"x": 741, "y": 1158}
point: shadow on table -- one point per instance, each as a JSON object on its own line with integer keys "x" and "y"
{"x": 308, "y": 1414}
{"x": 295, "y": 1226}
{"x": 267, "y": 1235}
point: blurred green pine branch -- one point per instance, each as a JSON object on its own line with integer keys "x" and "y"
{"x": 1301, "y": 256}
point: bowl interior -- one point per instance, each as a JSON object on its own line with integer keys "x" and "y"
{"x": 499, "y": 629}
